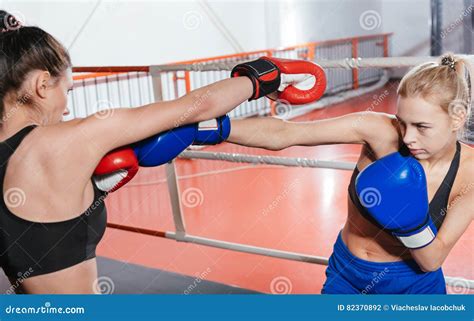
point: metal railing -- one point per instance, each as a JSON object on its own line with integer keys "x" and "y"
{"x": 100, "y": 88}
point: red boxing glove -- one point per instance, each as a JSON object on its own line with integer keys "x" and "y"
{"x": 296, "y": 81}
{"x": 263, "y": 73}
{"x": 116, "y": 169}
{"x": 302, "y": 81}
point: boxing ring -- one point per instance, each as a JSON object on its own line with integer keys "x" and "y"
{"x": 363, "y": 72}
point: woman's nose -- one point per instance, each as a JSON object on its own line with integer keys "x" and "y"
{"x": 409, "y": 137}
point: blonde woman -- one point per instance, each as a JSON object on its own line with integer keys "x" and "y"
{"x": 404, "y": 249}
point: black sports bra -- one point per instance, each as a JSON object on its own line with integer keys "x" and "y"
{"x": 30, "y": 248}
{"x": 438, "y": 205}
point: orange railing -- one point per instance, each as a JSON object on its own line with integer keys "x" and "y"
{"x": 177, "y": 83}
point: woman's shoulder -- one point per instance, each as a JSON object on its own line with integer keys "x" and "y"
{"x": 49, "y": 148}
{"x": 51, "y": 137}
{"x": 383, "y": 133}
{"x": 466, "y": 164}
{"x": 464, "y": 184}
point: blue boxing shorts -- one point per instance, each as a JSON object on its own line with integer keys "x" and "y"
{"x": 348, "y": 274}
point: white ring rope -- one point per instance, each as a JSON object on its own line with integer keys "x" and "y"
{"x": 265, "y": 159}
{"x": 457, "y": 282}
{"x": 284, "y": 161}
{"x": 347, "y": 63}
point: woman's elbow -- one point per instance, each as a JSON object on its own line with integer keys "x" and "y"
{"x": 275, "y": 146}
{"x": 432, "y": 257}
{"x": 277, "y": 138}
{"x": 429, "y": 266}
{"x": 200, "y": 106}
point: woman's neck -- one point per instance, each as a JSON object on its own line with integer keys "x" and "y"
{"x": 13, "y": 120}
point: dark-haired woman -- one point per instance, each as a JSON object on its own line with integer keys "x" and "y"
{"x": 49, "y": 228}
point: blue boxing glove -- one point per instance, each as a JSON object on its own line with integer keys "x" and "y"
{"x": 393, "y": 190}
{"x": 213, "y": 132}
{"x": 164, "y": 147}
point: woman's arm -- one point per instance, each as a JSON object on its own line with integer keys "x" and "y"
{"x": 275, "y": 134}
{"x": 125, "y": 126}
{"x": 73, "y": 149}
{"x": 460, "y": 214}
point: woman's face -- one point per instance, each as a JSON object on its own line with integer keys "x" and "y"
{"x": 426, "y": 128}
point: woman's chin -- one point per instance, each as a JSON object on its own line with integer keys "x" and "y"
{"x": 422, "y": 156}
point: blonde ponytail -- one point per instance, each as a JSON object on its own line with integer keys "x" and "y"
{"x": 447, "y": 83}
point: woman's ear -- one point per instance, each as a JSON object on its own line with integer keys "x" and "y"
{"x": 41, "y": 83}
{"x": 458, "y": 112}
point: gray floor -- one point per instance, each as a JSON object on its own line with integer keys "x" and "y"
{"x": 120, "y": 278}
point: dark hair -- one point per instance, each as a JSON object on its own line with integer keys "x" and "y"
{"x": 24, "y": 49}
